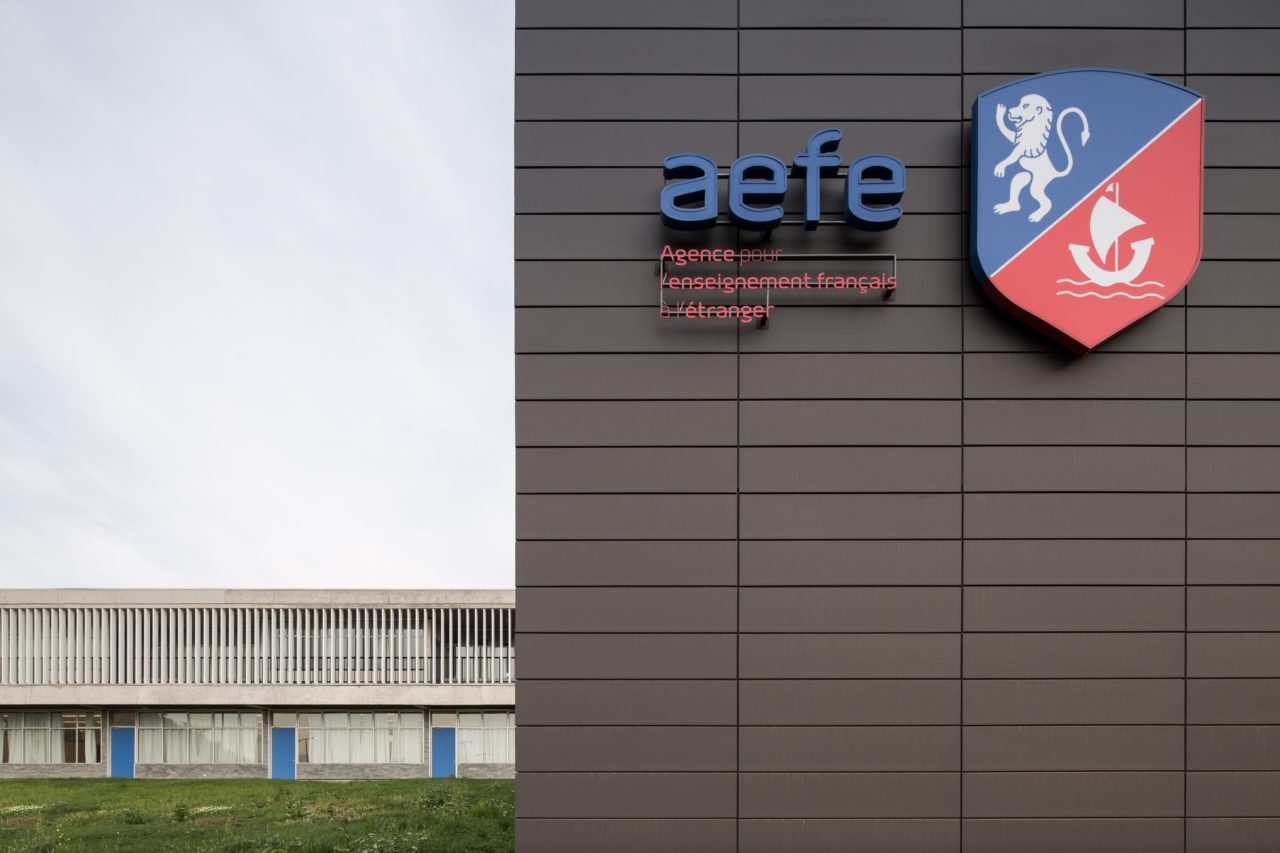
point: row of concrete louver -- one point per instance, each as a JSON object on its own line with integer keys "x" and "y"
{"x": 256, "y": 645}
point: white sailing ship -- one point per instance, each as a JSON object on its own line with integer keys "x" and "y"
{"x": 1108, "y": 222}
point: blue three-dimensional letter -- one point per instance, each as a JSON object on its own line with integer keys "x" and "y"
{"x": 818, "y": 160}
{"x": 757, "y": 178}
{"x": 879, "y": 180}
{"x": 699, "y": 174}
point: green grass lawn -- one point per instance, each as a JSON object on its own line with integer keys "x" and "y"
{"x": 445, "y": 815}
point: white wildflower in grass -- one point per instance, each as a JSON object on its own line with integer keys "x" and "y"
{"x": 203, "y": 810}
{"x": 26, "y": 808}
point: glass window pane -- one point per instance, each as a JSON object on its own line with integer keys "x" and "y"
{"x": 177, "y": 746}
{"x": 408, "y": 746}
{"x": 70, "y": 746}
{"x": 496, "y": 745}
{"x": 363, "y": 746}
{"x": 199, "y": 749}
{"x": 226, "y": 746}
{"x": 470, "y": 746}
{"x": 44, "y": 746}
{"x": 337, "y": 746}
{"x": 151, "y": 746}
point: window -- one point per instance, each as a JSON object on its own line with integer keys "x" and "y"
{"x": 181, "y": 737}
{"x": 50, "y": 737}
{"x": 361, "y": 737}
{"x": 487, "y": 737}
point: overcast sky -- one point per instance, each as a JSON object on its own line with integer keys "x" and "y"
{"x": 255, "y": 293}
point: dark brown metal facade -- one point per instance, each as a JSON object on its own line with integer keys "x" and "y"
{"x": 894, "y": 576}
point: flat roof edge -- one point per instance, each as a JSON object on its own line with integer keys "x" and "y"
{"x": 63, "y": 597}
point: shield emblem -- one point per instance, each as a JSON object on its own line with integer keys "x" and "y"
{"x": 1086, "y": 198}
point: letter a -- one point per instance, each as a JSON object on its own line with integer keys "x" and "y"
{"x": 699, "y": 178}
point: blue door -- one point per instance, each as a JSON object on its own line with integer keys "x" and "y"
{"x": 443, "y": 743}
{"x": 122, "y": 753}
{"x": 284, "y": 750}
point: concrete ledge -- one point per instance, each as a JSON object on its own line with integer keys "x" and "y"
{"x": 200, "y": 771}
{"x": 279, "y": 696}
{"x": 258, "y": 597}
{"x": 364, "y": 771}
{"x": 54, "y": 771}
{"x": 487, "y": 771}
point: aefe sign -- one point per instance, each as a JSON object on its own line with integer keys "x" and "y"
{"x": 1086, "y": 204}
{"x": 757, "y": 182}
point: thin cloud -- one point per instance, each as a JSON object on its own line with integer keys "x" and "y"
{"x": 255, "y": 315}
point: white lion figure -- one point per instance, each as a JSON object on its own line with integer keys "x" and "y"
{"x": 1032, "y": 121}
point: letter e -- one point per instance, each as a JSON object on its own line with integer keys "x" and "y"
{"x": 756, "y": 178}
{"x": 875, "y": 180}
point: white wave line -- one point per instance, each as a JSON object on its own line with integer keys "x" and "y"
{"x": 1110, "y": 295}
{"x": 1101, "y": 284}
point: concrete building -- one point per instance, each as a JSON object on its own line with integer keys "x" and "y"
{"x": 887, "y": 575}
{"x": 307, "y": 684}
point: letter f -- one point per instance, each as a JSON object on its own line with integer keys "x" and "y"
{"x": 818, "y": 159}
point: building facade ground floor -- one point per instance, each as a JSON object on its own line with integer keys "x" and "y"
{"x": 182, "y": 684}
